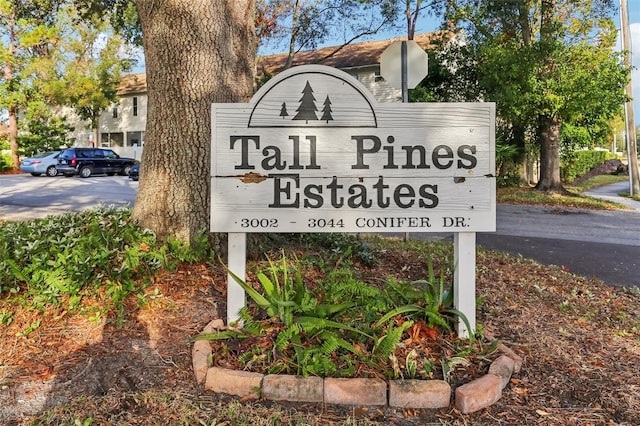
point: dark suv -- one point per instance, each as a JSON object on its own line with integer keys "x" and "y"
{"x": 88, "y": 161}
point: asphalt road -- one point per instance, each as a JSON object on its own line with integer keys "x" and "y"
{"x": 591, "y": 243}
{"x": 614, "y": 264}
{"x": 29, "y": 197}
{"x": 600, "y": 244}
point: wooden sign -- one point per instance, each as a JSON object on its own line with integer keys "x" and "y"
{"x": 314, "y": 152}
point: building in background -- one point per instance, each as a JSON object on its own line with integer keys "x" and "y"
{"x": 361, "y": 60}
{"x": 122, "y": 126}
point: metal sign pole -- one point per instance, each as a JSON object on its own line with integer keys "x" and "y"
{"x": 405, "y": 87}
{"x": 405, "y": 72}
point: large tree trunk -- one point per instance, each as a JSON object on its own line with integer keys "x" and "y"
{"x": 13, "y": 138}
{"x": 196, "y": 52}
{"x": 549, "y": 125}
{"x": 12, "y": 110}
{"x": 549, "y": 136}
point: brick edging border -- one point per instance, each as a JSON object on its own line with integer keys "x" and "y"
{"x": 470, "y": 397}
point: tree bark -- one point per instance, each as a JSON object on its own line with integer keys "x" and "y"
{"x": 196, "y": 53}
{"x": 13, "y": 141}
{"x": 294, "y": 35}
{"x": 549, "y": 135}
{"x": 548, "y": 124}
{"x": 634, "y": 184}
{"x": 12, "y": 110}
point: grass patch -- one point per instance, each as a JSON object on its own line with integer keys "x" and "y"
{"x": 528, "y": 195}
{"x": 597, "y": 181}
{"x": 627, "y": 195}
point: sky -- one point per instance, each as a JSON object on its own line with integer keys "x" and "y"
{"x": 430, "y": 24}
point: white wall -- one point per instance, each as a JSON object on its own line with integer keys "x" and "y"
{"x": 126, "y": 121}
{"x": 380, "y": 89}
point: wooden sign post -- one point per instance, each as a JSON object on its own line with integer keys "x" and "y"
{"x": 314, "y": 152}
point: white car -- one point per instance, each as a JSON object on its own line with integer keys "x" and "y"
{"x": 42, "y": 163}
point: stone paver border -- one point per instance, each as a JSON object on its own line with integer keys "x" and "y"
{"x": 470, "y": 397}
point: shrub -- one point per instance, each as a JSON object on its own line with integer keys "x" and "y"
{"x": 577, "y": 163}
{"x": 64, "y": 257}
{"x": 6, "y": 162}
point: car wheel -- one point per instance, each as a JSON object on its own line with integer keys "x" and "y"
{"x": 126, "y": 169}
{"x": 36, "y": 174}
{"x": 85, "y": 171}
{"x": 52, "y": 171}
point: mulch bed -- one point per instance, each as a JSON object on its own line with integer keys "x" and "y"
{"x": 578, "y": 339}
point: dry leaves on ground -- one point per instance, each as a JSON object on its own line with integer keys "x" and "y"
{"x": 578, "y": 337}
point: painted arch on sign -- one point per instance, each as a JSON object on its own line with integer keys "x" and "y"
{"x": 313, "y": 97}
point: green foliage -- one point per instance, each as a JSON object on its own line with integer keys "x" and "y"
{"x": 6, "y": 162}
{"x": 26, "y": 54}
{"x": 530, "y": 196}
{"x": 121, "y": 14}
{"x": 6, "y": 317}
{"x": 92, "y": 77}
{"x": 577, "y": 163}
{"x": 62, "y": 258}
{"x": 507, "y": 157}
{"x": 367, "y": 301}
{"x": 541, "y": 63}
{"x": 54, "y": 59}
{"x": 430, "y": 300}
{"x": 445, "y": 83}
{"x": 386, "y": 344}
{"x": 43, "y": 132}
{"x": 342, "y": 246}
{"x": 327, "y": 328}
{"x": 281, "y": 295}
{"x": 574, "y": 138}
{"x": 299, "y": 317}
{"x": 87, "y": 422}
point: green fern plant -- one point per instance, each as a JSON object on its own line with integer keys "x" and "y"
{"x": 430, "y": 299}
{"x": 386, "y": 344}
{"x": 308, "y": 334}
{"x": 59, "y": 259}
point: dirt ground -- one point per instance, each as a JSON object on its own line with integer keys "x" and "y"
{"x": 579, "y": 340}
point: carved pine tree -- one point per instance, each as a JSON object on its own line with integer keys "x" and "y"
{"x": 307, "y": 109}
{"x": 326, "y": 110}
{"x": 283, "y": 111}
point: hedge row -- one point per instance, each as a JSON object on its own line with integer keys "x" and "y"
{"x": 580, "y": 162}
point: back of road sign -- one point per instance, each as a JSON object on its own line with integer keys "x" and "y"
{"x": 391, "y": 64}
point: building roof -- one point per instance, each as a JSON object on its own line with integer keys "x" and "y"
{"x": 349, "y": 56}
{"x": 132, "y": 83}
